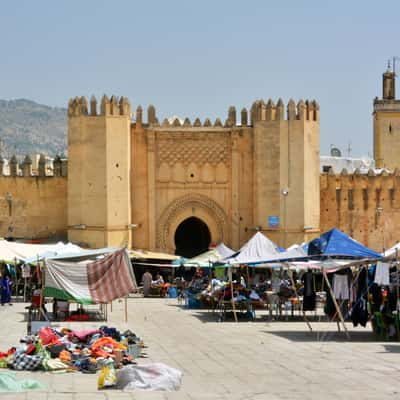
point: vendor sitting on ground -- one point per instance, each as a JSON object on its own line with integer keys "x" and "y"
{"x": 158, "y": 281}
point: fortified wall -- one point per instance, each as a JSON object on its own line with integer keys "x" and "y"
{"x": 33, "y": 206}
{"x": 138, "y": 184}
{"x": 230, "y": 174}
{"x": 366, "y": 206}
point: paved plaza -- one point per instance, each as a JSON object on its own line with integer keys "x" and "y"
{"x": 245, "y": 360}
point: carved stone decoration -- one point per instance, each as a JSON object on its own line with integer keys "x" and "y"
{"x": 208, "y": 173}
{"x": 221, "y": 173}
{"x": 186, "y": 149}
{"x": 164, "y": 173}
{"x": 178, "y": 173}
{"x": 213, "y": 215}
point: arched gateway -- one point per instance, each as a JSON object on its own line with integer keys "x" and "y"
{"x": 192, "y": 237}
{"x": 196, "y": 215}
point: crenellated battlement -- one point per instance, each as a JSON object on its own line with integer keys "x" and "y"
{"x": 304, "y": 110}
{"x": 25, "y": 168}
{"x": 260, "y": 111}
{"x": 78, "y": 106}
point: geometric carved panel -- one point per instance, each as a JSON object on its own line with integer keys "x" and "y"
{"x": 192, "y": 148}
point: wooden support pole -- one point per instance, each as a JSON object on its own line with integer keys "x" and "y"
{"x": 16, "y": 279}
{"x": 397, "y": 286}
{"x": 24, "y": 290}
{"x": 233, "y": 301}
{"x": 335, "y": 303}
{"x": 42, "y": 289}
{"x": 298, "y": 299}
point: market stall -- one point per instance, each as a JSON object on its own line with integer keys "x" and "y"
{"x": 334, "y": 271}
{"x": 97, "y": 277}
{"x": 155, "y": 272}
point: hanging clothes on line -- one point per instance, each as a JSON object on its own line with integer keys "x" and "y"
{"x": 309, "y": 295}
{"x": 359, "y": 312}
{"x": 382, "y": 273}
{"x": 341, "y": 287}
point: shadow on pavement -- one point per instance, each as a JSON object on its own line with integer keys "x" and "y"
{"x": 391, "y": 348}
{"x": 209, "y": 316}
{"x": 326, "y": 336}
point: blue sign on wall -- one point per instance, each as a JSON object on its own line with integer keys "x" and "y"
{"x": 273, "y": 221}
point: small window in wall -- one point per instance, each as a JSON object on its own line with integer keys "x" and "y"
{"x": 378, "y": 197}
{"x": 338, "y": 198}
{"x": 350, "y": 202}
{"x": 391, "y": 197}
{"x": 326, "y": 168}
{"x": 365, "y": 198}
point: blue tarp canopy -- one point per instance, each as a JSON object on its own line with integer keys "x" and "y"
{"x": 336, "y": 243}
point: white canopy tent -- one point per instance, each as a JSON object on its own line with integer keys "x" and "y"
{"x": 259, "y": 249}
{"x": 26, "y": 252}
{"x": 217, "y": 254}
{"x": 392, "y": 251}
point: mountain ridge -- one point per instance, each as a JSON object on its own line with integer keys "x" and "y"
{"x": 28, "y": 127}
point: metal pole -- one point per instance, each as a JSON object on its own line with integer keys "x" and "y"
{"x": 297, "y": 297}
{"x": 335, "y": 303}
{"x": 233, "y": 301}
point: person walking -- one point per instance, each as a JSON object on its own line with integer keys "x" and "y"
{"x": 147, "y": 279}
{"x": 5, "y": 289}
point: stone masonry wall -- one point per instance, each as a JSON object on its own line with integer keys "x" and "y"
{"x": 33, "y": 207}
{"x": 367, "y": 207}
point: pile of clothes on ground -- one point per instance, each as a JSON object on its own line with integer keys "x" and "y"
{"x": 68, "y": 350}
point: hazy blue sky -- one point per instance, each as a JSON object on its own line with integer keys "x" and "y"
{"x": 196, "y": 58}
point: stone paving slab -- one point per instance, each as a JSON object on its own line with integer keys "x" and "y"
{"x": 247, "y": 360}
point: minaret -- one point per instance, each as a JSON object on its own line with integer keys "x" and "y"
{"x": 388, "y": 84}
{"x": 387, "y": 123}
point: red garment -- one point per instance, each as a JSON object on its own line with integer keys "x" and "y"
{"x": 48, "y": 336}
{"x": 8, "y": 353}
{"x": 30, "y": 349}
{"x": 78, "y": 317}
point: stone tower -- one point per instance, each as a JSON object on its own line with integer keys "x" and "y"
{"x": 387, "y": 124}
{"x": 99, "y": 206}
{"x": 286, "y": 170}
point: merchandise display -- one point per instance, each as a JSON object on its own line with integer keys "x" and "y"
{"x": 68, "y": 350}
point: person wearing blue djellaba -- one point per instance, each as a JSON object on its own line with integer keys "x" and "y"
{"x": 5, "y": 287}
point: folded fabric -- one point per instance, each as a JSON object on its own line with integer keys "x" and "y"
{"x": 24, "y": 362}
{"x": 64, "y": 356}
{"x": 83, "y": 335}
{"x": 99, "y": 344}
{"x": 9, "y": 383}
{"x": 254, "y": 295}
{"x": 48, "y": 336}
{"x": 111, "y": 332}
{"x": 55, "y": 350}
{"x": 55, "y": 364}
{"x": 8, "y": 353}
{"x": 31, "y": 348}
